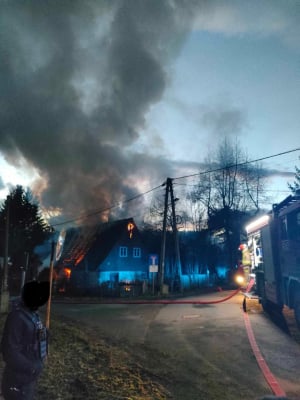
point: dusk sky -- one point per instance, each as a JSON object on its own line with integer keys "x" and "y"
{"x": 102, "y": 100}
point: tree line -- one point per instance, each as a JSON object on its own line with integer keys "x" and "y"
{"x": 232, "y": 190}
{"x": 21, "y": 219}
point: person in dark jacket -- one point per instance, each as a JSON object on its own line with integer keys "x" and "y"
{"x": 24, "y": 343}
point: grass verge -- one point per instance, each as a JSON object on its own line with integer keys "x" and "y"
{"x": 82, "y": 366}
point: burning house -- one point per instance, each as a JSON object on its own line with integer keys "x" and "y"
{"x": 108, "y": 259}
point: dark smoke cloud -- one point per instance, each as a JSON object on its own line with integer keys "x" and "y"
{"x": 218, "y": 120}
{"x": 77, "y": 79}
{"x": 224, "y": 121}
{"x": 277, "y": 173}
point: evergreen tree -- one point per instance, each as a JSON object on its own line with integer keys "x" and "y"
{"x": 295, "y": 186}
{"x": 26, "y": 230}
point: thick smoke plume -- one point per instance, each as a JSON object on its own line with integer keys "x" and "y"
{"x": 77, "y": 81}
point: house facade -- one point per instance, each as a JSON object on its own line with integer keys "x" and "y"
{"x": 114, "y": 259}
{"x": 108, "y": 260}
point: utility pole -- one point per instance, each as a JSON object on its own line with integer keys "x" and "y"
{"x": 4, "y": 300}
{"x": 169, "y": 189}
{"x": 175, "y": 232}
{"x": 163, "y": 243}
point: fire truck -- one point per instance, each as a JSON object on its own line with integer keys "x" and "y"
{"x": 274, "y": 243}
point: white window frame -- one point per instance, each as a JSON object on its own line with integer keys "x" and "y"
{"x": 136, "y": 252}
{"x": 123, "y": 251}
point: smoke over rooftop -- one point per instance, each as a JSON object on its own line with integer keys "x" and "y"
{"x": 87, "y": 87}
{"x": 77, "y": 81}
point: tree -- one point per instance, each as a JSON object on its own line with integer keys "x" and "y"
{"x": 27, "y": 228}
{"x": 295, "y": 186}
{"x": 253, "y": 185}
{"x": 230, "y": 189}
{"x": 231, "y": 181}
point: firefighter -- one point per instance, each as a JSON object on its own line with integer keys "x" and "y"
{"x": 245, "y": 261}
{"x": 24, "y": 343}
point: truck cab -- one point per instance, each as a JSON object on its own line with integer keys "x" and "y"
{"x": 274, "y": 240}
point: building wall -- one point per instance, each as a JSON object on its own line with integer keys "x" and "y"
{"x": 80, "y": 280}
{"x": 122, "y": 276}
{"x": 117, "y": 262}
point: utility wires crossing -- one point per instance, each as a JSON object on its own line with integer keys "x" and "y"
{"x": 103, "y": 210}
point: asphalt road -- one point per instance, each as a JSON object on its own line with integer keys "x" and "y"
{"x": 199, "y": 351}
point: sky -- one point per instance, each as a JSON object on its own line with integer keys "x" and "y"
{"x": 103, "y": 100}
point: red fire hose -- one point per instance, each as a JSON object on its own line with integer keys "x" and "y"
{"x": 172, "y": 301}
{"x": 270, "y": 378}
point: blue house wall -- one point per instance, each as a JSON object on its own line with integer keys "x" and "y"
{"x": 116, "y": 256}
{"x": 132, "y": 267}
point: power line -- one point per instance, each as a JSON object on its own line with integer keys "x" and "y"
{"x": 245, "y": 190}
{"x": 108, "y": 208}
{"x": 164, "y": 183}
{"x": 235, "y": 165}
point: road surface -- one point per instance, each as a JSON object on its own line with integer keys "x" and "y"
{"x": 200, "y": 350}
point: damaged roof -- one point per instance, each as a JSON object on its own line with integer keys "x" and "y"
{"x": 93, "y": 242}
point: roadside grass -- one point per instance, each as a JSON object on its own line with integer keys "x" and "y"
{"x": 81, "y": 366}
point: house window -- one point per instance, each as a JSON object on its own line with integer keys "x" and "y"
{"x": 136, "y": 252}
{"x": 123, "y": 252}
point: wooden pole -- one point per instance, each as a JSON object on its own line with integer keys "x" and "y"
{"x": 163, "y": 244}
{"x": 53, "y": 246}
{"x": 175, "y": 232}
{"x": 152, "y": 283}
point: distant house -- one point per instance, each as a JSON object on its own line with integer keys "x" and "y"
{"x": 104, "y": 259}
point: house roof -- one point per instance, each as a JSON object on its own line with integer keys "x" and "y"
{"x": 93, "y": 243}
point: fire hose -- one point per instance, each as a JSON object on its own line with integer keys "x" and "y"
{"x": 270, "y": 378}
{"x": 168, "y": 301}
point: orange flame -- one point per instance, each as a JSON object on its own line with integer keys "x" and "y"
{"x": 130, "y": 227}
{"x": 67, "y": 272}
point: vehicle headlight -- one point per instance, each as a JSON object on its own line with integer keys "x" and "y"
{"x": 240, "y": 280}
